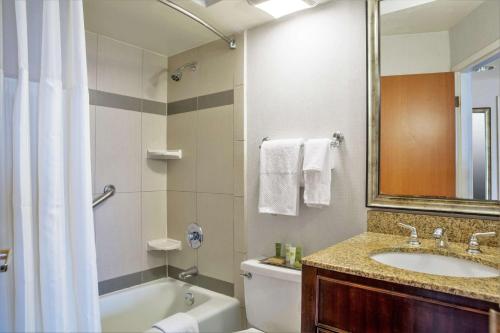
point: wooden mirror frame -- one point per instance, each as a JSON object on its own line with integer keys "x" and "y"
{"x": 373, "y": 196}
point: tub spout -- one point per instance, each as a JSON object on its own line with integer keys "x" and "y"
{"x": 190, "y": 272}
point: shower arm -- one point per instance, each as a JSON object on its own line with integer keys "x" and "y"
{"x": 230, "y": 41}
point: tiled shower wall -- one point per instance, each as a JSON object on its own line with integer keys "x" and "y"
{"x": 206, "y": 121}
{"x": 128, "y": 95}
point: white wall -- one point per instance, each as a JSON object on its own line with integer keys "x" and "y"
{"x": 306, "y": 77}
{"x": 415, "y": 53}
{"x": 474, "y": 32}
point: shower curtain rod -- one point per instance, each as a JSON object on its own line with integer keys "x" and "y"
{"x": 230, "y": 41}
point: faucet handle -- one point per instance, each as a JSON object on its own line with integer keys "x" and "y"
{"x": 413, "y": 240}
{"x": 473, "y": 247}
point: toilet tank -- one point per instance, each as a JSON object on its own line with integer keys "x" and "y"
{"x": 272, "y": 297}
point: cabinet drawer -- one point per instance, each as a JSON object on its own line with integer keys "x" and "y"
{"x": 352, "y": 307}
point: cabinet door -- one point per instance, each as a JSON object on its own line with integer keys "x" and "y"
{"x": 351, "y": 307}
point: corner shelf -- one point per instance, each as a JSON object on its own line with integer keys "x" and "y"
{"x": 164, "y": 154}
{"x": 164, "y": 244}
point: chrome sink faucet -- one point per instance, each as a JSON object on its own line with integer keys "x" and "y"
{"x": 190, "y": 272}
{"x": 441, "y": 238}
{"x": 413, "y": 240}
{"x": 473, "y": 247}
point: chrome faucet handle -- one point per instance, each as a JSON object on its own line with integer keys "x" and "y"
{"x": 413, "y": 240}
{"x": 439, "y": 235}
{"x": 473, "y": 247}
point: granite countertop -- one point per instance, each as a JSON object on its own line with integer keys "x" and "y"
{"x": 352, "y": 256}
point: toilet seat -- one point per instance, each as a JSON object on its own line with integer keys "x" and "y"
{"x": 250, "y": 330}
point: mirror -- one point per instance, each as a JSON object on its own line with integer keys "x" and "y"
{"x": 434, "y": 81}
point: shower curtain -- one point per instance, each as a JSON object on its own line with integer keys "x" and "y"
{"x": 45, "y": 182}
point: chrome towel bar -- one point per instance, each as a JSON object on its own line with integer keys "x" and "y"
{"x": 109, "y": 190}
{"x": 337, "y": 140}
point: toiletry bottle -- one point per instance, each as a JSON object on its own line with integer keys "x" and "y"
{"x": 291, "y": 258}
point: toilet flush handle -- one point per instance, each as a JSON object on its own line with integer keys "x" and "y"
{"x": 247, "y": 275}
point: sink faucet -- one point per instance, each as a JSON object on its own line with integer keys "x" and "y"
{"x": 413, "y": 240}
{"x": 441, "y": 238}
{"x": 190, "y": 272}
{"x": 473, "y": 247}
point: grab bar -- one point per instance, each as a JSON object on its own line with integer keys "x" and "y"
{"x": 4, "y": 260}
{"x": 109, "y": 190}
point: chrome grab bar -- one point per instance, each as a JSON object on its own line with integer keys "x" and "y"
{"x": 109, "y": 190}
{"x": 4, "y": 260}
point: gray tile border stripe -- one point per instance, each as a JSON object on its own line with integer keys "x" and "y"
{"x": 120, "y": 282}
{"x": 217, "y": 99}
{"x": 185, "y": 105}
{"x": 101, "y": 98}
{"x": 201, "y": 102}
{"x": 130, "y": 280}
{"x": 206, "y": 282}
{"x": 111, "y": 100}
{"x": 154, "y": 107}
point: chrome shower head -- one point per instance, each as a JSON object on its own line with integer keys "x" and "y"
{"x": 177, "y": 75}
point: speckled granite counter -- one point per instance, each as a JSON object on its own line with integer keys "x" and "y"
{"x": 353, "y": 257}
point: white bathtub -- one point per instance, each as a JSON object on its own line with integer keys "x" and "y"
{"x": 137, "y": 308}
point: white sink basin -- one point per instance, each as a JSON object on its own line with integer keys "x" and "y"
{"x": 436, "y": 264}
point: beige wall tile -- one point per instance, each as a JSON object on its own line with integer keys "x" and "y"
{"x": 216, "y": 70}
{"x": 187, "y": 87}
{"x": 91, "y": 47}
{"x": 239, "y": 120}
{"x": 118, "y": 149}
{"x": 154, "y": 226}
{"x": 215, "y": 150}
{"x": 119, "y": 67}
{"x": 92, "y": 124}
{"x": 181, "y": 134}
{"x": 239, "y": 168}
{"x": 215, "y": 215}
{"x": 181, "y": 212}
{"x": 154, "y": 136}
{"x": 118, "y": 235}
{"x": 239, "y": 290}
{"x": 154, "y": 76}
{"x": 240, "y": 243}
{"x": 239, "y": 68}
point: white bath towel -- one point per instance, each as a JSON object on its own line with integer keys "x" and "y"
{"x": 180, "y": 322}
{"x": 317, "y": 172}
{"x": 280, "y": 162}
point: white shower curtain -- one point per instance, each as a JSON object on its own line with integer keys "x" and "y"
{"x": 45, "y": 182}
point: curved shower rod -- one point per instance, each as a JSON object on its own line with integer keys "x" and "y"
{"x": 230, "y": 41}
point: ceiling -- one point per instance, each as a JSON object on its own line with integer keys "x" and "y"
{"x": 428, "y": 16}
{"x": 154, "y": 26}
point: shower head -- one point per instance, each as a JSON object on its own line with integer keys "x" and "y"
{"x": 177, "y": 75}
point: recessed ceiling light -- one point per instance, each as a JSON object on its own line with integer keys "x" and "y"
{"x": 279, "y": 8}
{"x": 483, "y": 69}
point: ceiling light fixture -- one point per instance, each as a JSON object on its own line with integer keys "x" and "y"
{"x": 483, "y": 69}
{"x": 279, "y": 8}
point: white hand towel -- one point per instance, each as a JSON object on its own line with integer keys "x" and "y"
{"x": 317, "y": 172}
{"x": 280, "y": 172}
{"x": 180, "y": 322}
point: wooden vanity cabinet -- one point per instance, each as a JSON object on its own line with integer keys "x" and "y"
{"x": 338, "y": 302}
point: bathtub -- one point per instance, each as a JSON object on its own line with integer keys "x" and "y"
{"x": 137, "y": 308}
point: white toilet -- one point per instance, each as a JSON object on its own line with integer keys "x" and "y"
{"x": 272, "y": 297}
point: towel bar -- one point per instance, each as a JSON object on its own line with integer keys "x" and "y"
{"x": 337, "y": 140}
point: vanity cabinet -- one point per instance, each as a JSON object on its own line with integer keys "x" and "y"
{"x": 338, "y": 302}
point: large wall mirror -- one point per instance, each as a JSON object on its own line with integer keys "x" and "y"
{"x": 433, "y": 86}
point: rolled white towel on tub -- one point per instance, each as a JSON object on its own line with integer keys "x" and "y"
{"x": 180, "y": 322}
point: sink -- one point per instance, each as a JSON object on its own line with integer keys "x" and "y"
{"x": 435, "y": 264}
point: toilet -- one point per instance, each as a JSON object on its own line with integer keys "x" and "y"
{"x": 272, "y": 297}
